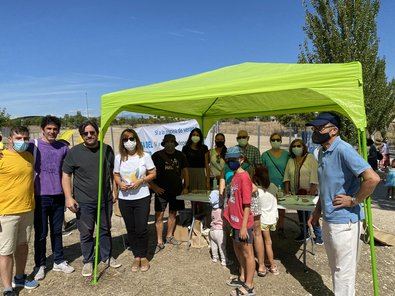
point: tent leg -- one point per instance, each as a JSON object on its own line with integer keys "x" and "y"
{"x": 368, "y": 211}
{"x": 99, "y": 202}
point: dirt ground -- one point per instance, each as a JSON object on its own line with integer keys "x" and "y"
{"x": 178, "y": 271}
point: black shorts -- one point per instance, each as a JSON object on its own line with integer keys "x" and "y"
{"x": 234, "y": 233}
{"x": 162, "y": 200}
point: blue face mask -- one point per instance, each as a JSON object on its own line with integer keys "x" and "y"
{"x": 20, "y": 145}
{"x": 234, "y": 165}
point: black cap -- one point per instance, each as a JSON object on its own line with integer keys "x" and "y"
{"x": 324, "y": 118}
{"x": 169, "y": 137}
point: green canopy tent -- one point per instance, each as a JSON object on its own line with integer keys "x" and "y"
{"x": 246, "y": 90}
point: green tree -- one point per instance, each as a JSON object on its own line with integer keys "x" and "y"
{"x": 343, "y": 31}
{"x": 4, "y": 117}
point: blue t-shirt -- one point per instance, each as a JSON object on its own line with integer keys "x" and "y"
{"x": 339, "y": 168}
{"x": 276, "y": 166}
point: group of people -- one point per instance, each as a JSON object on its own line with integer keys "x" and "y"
{"x": 42, "y": 177}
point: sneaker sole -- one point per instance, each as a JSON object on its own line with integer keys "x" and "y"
{"x": 61, "y": 270}
{"x": 86, "y": 274}
{"x": 23, "y": 286}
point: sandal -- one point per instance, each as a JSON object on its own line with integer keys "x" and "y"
{"x": 274, "y": 270}
{"x": 262, "y": 273}
{"x": 136, "y": 265}
{"x": 159, "y": 247}
{"x": 247, "y": 291}
{"x": 235, "y": 282}
{"x": 144, "y": 265}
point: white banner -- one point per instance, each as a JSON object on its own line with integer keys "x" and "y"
{"x": 151, "y": 136}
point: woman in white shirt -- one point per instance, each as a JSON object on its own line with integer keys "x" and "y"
{"x": 301, "y": 178}
{"x": 133, "y": 169}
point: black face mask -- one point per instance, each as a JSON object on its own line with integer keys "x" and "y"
{"x": 219, "y": 144}
{"x": 319, "y": 138}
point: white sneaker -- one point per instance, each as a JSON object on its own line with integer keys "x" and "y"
{"x": 113, "y": 263}
{"x": 223, "y": 263}
{"x": 87, "y": 269}
{"x": 214, "y": 260}
{"x": 40, "y": 273}
{"x": 63, "y": 267}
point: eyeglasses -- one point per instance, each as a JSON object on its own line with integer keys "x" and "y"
{"x": 297, "y": 146}
{"x": 321, "y": 127}
{"x": 92, "y": 133}
{"x": 275, "y": 140}
{"x": 242, "y": 137}
{"x": 129, "y": 139}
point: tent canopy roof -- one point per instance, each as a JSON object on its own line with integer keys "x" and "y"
{"x": 245, "y": 90}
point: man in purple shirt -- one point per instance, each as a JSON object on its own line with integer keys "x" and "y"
{"x": 50, "y": 201}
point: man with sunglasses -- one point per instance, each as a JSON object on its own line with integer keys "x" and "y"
{"x": 250, "y": 152}
{"x": 341, "y": 194}
{"x": 82, "y": 162}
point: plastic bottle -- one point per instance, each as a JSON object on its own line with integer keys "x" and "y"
{"x": 280, "y": 192}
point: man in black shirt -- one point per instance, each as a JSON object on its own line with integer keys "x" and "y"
{"x": 82, "y": 162}
{"x": 171, "y": 171}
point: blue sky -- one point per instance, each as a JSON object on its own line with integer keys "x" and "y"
{"x": 53, "y": 52}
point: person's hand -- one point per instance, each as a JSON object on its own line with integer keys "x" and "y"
{"x": 185, "y": 191}
{"x": 243, "y": 234}
{"x": 342, "y": 201}
{"x": 72, "y": 204}
{"x": 314, "y": 218}
{"x": 114, "y": 198}
{"x": 137, "y": 184}
{"x": 159, "y": 190}
{"x": 124, "y": 186}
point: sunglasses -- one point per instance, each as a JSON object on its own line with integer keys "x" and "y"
{"x": 129, "y": 139}
{"x": 297, "y": 146}
{"x": 275, "y": 140}
{"x": 92, "y": 133}
{"x": 242, "y": 137}
{"x": 321, "y": 127}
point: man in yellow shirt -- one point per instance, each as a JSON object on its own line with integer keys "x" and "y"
{"x": 16, "y": 210}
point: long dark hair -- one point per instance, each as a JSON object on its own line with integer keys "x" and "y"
{"x": 261, "y": 177}
{"x": 122, "y": 149}
{"x": 224, "y": 148}
{"x": 189, "y": 141}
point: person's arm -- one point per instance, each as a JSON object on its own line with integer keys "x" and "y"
{"x": 287, "y": 187}
{"x": 185, "y": 176}
{"x": 222, "y": 185}
{"x": 71, "y": 203}
{"x": 368, "y": 184}
{"x": 115, "y": 191}
{"x": 243, "y": 231}
{"x": 287, "y": 178}
{"x": 315, "y": 216}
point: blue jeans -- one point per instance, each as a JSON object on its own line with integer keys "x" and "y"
{"x": 48, "y": 207}
{"x": 86, "y": 220}
{"x": 316, "y": 228}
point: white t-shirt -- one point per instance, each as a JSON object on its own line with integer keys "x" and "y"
{"x": 135, "y": 167}
{"x": 267, "y": 204}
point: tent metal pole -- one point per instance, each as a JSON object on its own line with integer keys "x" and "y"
{"x": 99, "y": 202}
{"x": 368, "y": 205}
{"x": 362, "y": 153}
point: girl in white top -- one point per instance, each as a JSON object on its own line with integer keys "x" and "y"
{"x": 133, "y": 169}
{"x": 265, "y": 208}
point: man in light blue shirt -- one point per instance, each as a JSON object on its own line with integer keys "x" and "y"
{"x": 341, "y": 193}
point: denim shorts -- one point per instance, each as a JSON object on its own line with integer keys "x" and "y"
{"x": 235, "y": 234}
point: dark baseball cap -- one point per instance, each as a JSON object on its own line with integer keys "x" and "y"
{"x": 324, "y": 118}
{"x": 167, "y": 138}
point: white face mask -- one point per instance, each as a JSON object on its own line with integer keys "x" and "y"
{"x": 275, "y": 144}
{"x": 298, "y": 151}
{"x": 242, "y": 142}
{"x": 195, "y": 139}
{"x": 130, "y": 145}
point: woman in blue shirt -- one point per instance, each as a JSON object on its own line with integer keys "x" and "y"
{"x": 275, "y": 159}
